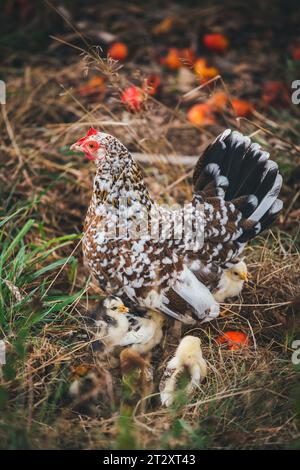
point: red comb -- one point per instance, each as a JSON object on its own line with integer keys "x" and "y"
{"x": 90, "y": 132}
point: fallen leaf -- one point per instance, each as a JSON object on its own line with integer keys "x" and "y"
{"x": 95, "y": 85}
{"x": 216, "y": 42}
{"x": 275, "y": 92}
{"x": 201, "y": 114}
{"x": 172, "y": 59}
{"x": 118, "y": 51}
{"x": 204, "y": 72}
{"x": 164, "y": 26}
{"x": 133, "y": 97}
{"x": 296, "y": 52}
{"x": 235, "y": 340}
{"x": 218, "y": 101}
{"x": 188, "y": 56}
{"x": 152, "y": 84}
{"x": 241, "y": 108}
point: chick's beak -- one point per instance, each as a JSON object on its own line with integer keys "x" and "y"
{"x": 244, "y": 276}
{"x": 123, "y": 309}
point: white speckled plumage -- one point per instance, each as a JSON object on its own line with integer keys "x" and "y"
{"x": 227, "y": 210}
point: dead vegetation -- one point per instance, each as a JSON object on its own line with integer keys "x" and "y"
{"x": 250, "y": 398}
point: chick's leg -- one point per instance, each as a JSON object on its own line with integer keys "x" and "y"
{"x": 195, "y": 373}
{"x": 168, "y": 385}
{"x": 137, "y": 377}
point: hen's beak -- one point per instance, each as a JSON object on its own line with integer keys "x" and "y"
{"x": 244, "y": 276}
{"x": 76, "y": 147}
{"x": 123, "y": 309}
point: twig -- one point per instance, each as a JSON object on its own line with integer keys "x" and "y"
{"x": 188, "y": 160}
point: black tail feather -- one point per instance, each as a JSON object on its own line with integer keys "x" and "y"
{"x": 240, "y": 172}
{"x": 246, "y": 204}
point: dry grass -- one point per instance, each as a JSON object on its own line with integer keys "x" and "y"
{"x": 248, "y": 398}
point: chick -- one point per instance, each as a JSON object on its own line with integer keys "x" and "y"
{"x": 116, "y": 326}
{"x": 90, "y": 389}
{"x": 137, "y": 379}
{"x": 109, "y": 318}
{"x": 188, "y": 356}
{"x": 232, "y": 281}
{"x": 145, "y": 331}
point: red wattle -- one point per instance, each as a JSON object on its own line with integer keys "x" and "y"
{"x": 90, "y": 156}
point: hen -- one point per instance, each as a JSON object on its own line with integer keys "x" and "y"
{"x": 162, "y": 258}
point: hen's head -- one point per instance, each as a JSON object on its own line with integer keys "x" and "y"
{"x": 98, "y": 145}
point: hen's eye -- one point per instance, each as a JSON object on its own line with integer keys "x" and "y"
{"x": 91, "y": 146}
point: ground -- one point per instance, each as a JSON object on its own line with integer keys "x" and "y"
{"x": 251, "y": 397}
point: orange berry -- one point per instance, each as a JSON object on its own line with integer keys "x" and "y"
{"x": 118, "y": 51}
{"x": 216, "y": 42}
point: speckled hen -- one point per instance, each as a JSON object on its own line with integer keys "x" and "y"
{"x": 162, "y": 258}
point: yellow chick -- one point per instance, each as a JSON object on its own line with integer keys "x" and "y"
{"x": 232, "y": 281}
{"x": 188, "y": 356}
